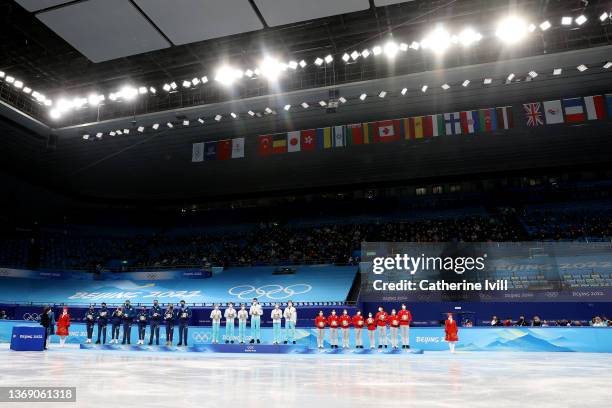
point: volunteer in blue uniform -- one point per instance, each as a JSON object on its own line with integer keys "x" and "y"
{"x": 169, "y": 317}
{"x": 184, "y": 315}
{"x": 155, "y": 318}
{"x": 116, "y": 319}
{"x": 128, "y": 317}
{"x": 90, "y": 320}
{"x": 102, "y": 316}
{"x": 141, "y": 321}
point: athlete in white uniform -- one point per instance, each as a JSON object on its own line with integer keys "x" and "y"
{"x": 215, "y": 316}
{"x": 276, "y": 316}
{"x": 256, "y": 311}
{"x": 243, "y": 317}
{"x": 290, "y": 315}
{"x": 230, "y": 315}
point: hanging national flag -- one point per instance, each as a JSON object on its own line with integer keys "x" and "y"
{"x": 552, "y": 112}
{"x": 415, "y": 127}
{"x": 224, "y": 149}
{"x": 385, "y": 132}
{"x": 609, "y": 104}
{"x": 279, "y": 143}
{"x": 309, "y": 139}
{"x": 487, "y": 119}
{"x": 594, "y": 105}
{"x": 197, "y": 152}
{"x": 452, "y": 122}
{"x": 324, "y": 138}
{"x": 339, "y": 136}
{"x": 265, "y": 145}
{"x": 368, "y": 130}
{"x": 354, "y": 134}
{"x": 505, "y": 119}
{"x": 574, "y": 112}
{"x": 293, "y": 141}
{"x": 433, "y": 125}
{"x": 401, "y": 128}
{"x": 469, "y": 121}
{"x": 238, "y": 148}
{"x": 210, "y": 151}
{"x": 533, "y": 113}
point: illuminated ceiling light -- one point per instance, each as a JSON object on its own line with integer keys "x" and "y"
{"x": 531, "y": 28}
{"x": 268, "y": 110}
{"x": 48, "y": 102}
{"x": 582, "y": 68}
{"x": 152, "y": 90}
{"x": 318, "y": 62}
{"x": 328, "y": 58}
{"x": 226, "y": 75}
{"x": 248, "y": 73}
{"x": 581, "y": 19}
{"x": 604, "y": 16}
{"x": 404, "y": 91}
{"x": 201, "y": 121}
{"x": 251, "y": 113}
{"x": 155, "y": 126}
{"x": 128, "y": 93}
{"x": 557, "y": 71}
{"x": 487, "y": 81}
{"x": 166, "y": 87}
{"x": 18, "y": 84}
{"x": 63, "y": 105}
{"x": 465, "y": 83}
{"x": 605, "y": 66}
{"x": 403, "y": 47}
{"x": 204, "y": 79}
{"x": 143, "y": 90}
{"x": 566, "y": 21}
{"x": 195, "y": 81}
{"x": 346, "y": 57}
{"x": 140, "y": 129}
{"x": 342, "y": 99}
{"x": 287, "y": 107}
{"x": 511, "y": 30}
{"x": 112, "y": 133}
{"x": 10, "y": 79}
{"x": 86, "y": 137}
{"x": 365, "y": 53}
{"x": 363, "y": 96}
{"x": 532, "y": 74}
{"x": 126, "y": 131}
{"x": 292, "y": 64}
{"x": 510, "y": 77}
{"x": 186, "y": 84}
{"x": 170, "y": 125}
{"x": 303, "y": 63}
{"x": 468, "y": 37}
{"x": 382, "y": 94}
{"x": 185, "y": 122}
{"x": 27, "y": 90}
{"x": 55, "y": 114}
{"x": 305, "y": 105}
{"x": 118, "y": 132}
{"x": 424, "y": 88}
{"x": 437, "y": 41}
{"x": 270, "y": 68}
{"x": 545, "y": 25}
{"x": 391, "y": 49}
{"x": 445, "y": 86}
{"x": 322, "y": 103}
{"x": 99, "y": 135}
{"x": 218, "y": 118}
{"x": 2, "y": 74}
{"x": 78, "y": 103}
{"x": 355, "y": 55}
{"x": 415, "y": 45}
{"x": 377, "y": 50}
{"x": 173, "y": 85}
{"x": 93, "y": 100}
{"x": 233, "y": 115}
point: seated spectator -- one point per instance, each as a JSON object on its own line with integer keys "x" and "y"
{"x": 536, "y": 322}
{"x": 597, "y": 322}
{"x": 508, "y": 322}
{"x": 495, "y": 321}
{"x": 3, "y": 315}
{"x": 545, "y": 323}
{"x": 521, "y": 322}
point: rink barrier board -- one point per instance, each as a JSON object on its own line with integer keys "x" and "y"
{"x": 545, "y": 339}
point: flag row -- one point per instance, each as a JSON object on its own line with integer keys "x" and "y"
{"x": 416, "y": 127}
{"x": 218, "y": 150}
{"x": 570, "y": 110}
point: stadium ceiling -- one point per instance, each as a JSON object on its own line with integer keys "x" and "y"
{"x": 80, "y": 47}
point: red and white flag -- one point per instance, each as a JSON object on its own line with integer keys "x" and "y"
{"x": 595, "y": 107}
{"x": 386, "y": 131}
{"x": 293, "y": 141}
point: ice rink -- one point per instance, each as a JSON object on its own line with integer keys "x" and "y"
{"x": 117, "y": 379}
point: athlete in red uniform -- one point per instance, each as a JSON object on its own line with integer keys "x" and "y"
{"x": 345, "y": 325}
{"x": 358, "y": 323}
{"x": 450, "y": 329}
{"x": 320, "y": 323}
{"x": 381, "y": 323}
{"x": 394, "y": 323}
{"x": 405, "y": 320}
{"x": 371, "y": 323}
{"x": 333, "y": 320}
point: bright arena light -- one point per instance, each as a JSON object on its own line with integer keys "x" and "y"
{"x": 404, "y": 91}
{"x": 468, "y": 37}
{"x": 128, "y": 93}
{"x": 581, "y": 19}
{"x": 355, "y": 55}
{"x": 93, "y": 100}
{"x": 318, "y": 62}
{"x": 55, "y": 114}
{"x": 305, "y": 105}
{"x": 511, "y": 30}
{"x": 545, "y": 25}
{"x": 465, "y": 83}
{"x": 155, "y": 126}
{"x": 363, "y": 96}
{"x": 437, "y": 41}
{"x": 365, "y": 53}
{"x": 391, "y": 49}
{"x": 346, "y": 57}
{"x": 287, "y": 107}
{"x": 424, "y": 88}
{"x": 328, "y": 58}
{"x": 377, "y": 50}
{"x": 270, "y": 68}
{"x": 227, "y": 75}
{"x": 566, "y": 21}
{"x": 342, "y": 99}
{"x": 604, "y": 16}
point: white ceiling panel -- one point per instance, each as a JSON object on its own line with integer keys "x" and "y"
{"x": 35, "y": 5}
{"x": 188, "y": 21}
{"x": 104, "y": 29}
{"x": 279, "y": 12}
{"x": 380, "y": 3}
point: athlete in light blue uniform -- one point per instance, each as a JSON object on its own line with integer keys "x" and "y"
{"x": 290, "y": 315}
{"x": 277, "y": 317}
{"x": 255, "y": 312}
{"x": 243, "y": 316}
{"x": 230, "y": 316}
{"x": 215, "y": 317}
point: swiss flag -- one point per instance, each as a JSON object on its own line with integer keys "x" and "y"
{"x": 309, "y": 139}
{"x": 386, "y": 131}
{"x": 224, "y": 149}
{"x": 265, "y": 145}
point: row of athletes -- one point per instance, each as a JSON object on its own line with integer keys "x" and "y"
{"x": 398, "y": 322}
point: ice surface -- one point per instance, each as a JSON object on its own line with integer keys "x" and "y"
{"x": 117, "y": 379}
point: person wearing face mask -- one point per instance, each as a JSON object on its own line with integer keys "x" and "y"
{"x": 345, "y": 328}
{"x": 405, "y": 319}
{"x": 255, "y": 312}
{"x": 169, "y": 319}
{"x": 381, "y": 327}
{"x": 358, "y": 323}
{"x": 90, "y": 320}
{"x": 230, "y": 316}
{"x": 290, "y": 315}
{"x": 394, "y": 323}
{"x": 320, "y": 323}
{"x": 371, "y": 324}
{"x": 243, "y": 317}
{"x": 333, "y": 321}
{"x": 215, "y": 317}
{"x": 128, "y": 317}
{"x": 116, "y": 320}
{"x": 276, "y": 316}
{"x": 103, "y": 316}
{"x": 451, "y": 331}
{"x": 155, "y": 317}
{"x": 63, "y": 323}
{"x": 184, "y": 314}
{"x": 141, "y": 321}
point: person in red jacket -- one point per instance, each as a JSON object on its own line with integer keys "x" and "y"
{"x": 405, "y": 320}
{"x": 345, "y": 326}
{"x": 450, "y": 330}
{"x": 358, "y": 323}
{"x": 371, "y": 323}
{"x": 63, "y": 323}
{"x": 333, "y": 320}
{"x": 320, "y": 323}
{"x": 394, "y": 323}
{"x": 381, "y": 324}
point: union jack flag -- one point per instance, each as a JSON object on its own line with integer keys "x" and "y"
{"x": 533, "y": 112}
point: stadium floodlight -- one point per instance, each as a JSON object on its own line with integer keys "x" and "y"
{"x": 468, "y": 37}
{"x": 128, "y": 93}
{"x": 287, "y": 107}
{"x": 55, "y": 114}
{"x": 346, "y": 57}
{"x": 582, "y": 68}
{"x": 391, "y": 49}
{"x": 47, "y": 102}
{"x": 99, "y": 135}
{"x": 365, "y": 53}
{"x": 195, "y": 81}
{"x": 142, "y": 90}
{"x": 93, "y": 100}
{"x": 173, "y": 85}
{"x": 545, "y": 25}
{"x": 249, "y": 73}
{"x": 531, "y": 28}
{"x": 363, "y": 96}
{"x": 140, "y": 129}
{"x": 186, "y": 84}
{"x": 226, "y": 75}
{"x": 292, "y": 64}
{"x": 557, "y": 71}
{"x": 2, "y": 74}
{"x": 218, "y": 118}
{"x": 152, "y": 90}
{"x": 305, "y": 105}
{"x": 382, "y": 94}
{"x": 112, "y": 133}
{"x": 532, "y": 74}
{"x": 201, "y": 121}
{"x": 511, "y": 30}
{"x": 377, "y": 50}
{"x": 328, "y": 58}
{"x": 185, "y": 122}
{"x": 204, "y": 79}
{"x": 404, "y": 91}
{"x": 487, "y": 81}
{"x": 342, "y": 99}
{"x": 445, "y": 86}
{"x": 581, "y": 19}
{"x": 566, "y": 21}
{"x": 270, "y": 68}
{"x": 10, "y": 79}
{"x": 318, "y": 62}
{"x": 465, "y": 83}
{"x": 233, "y": 115}
{"x": 355, "y": 54}
{"x": 170, "y": 125}
{"x": 403, "y": 47}
{"x": 166, "y": 87}
{"x": 510, "y": 77}
{"x": 322, "y": 103}
{"x": 303, "y": 63}
{"x": 126, "y": 131}
{"x": 27, "y": 90}
{"x": 415, "y": 45}
{"x": 268, "y": 110}
{"x": 18, "y": 84}
{"x": 437, "y": 41}
{"x": 604, "y": 16}
{"x": 605, "y": 66}
{"x": 118, "y": 132}
{"x": 155, "y": 126}
{"x": 424, "y": 88}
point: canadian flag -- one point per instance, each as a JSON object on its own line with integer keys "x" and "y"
{"x": 386, "y": 131}
{"x": 293, "y": 142}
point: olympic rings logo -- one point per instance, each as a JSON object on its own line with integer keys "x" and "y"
{"x": 275, "y": 292}
{"x": 31, "y": 317}
{"x": 199, "y": 337}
